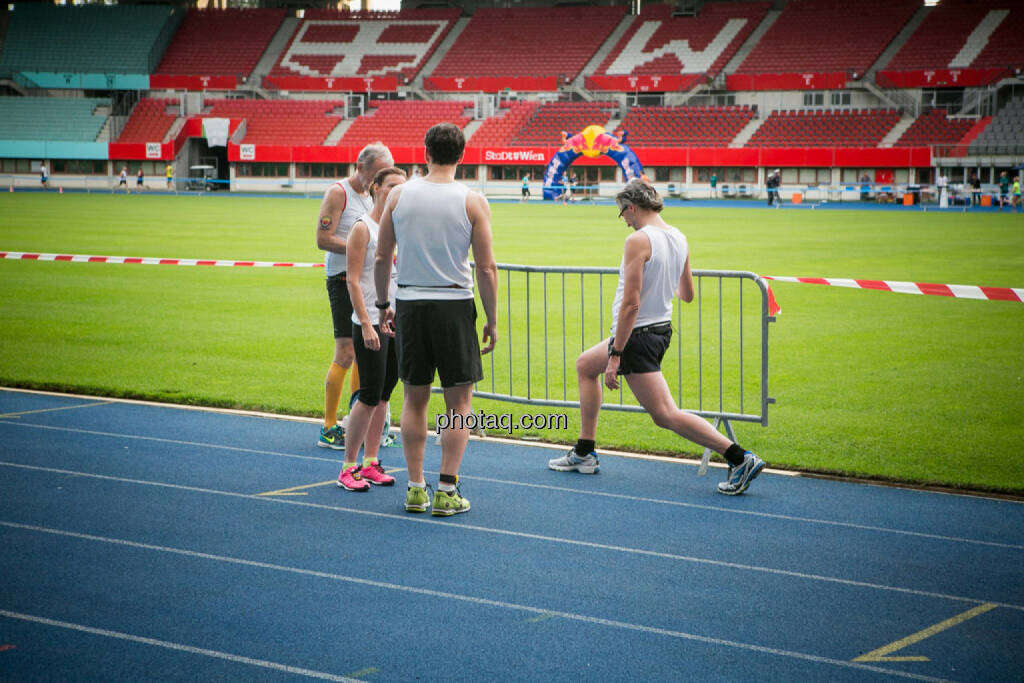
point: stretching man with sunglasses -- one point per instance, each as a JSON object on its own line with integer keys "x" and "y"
{"x": 655, "y": 266}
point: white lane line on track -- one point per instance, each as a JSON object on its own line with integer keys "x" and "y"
{"x": 619, "y": 496}
{"x": 693, "y": 461}
{"x": 93, "y": 404}
{"x": 176, "y": 442}
{"x": 170, "y": 406}
{"x": 522, "y": 534}
{"x": 486, "y": 602}
{"x": 237, "y": 659}
{"x": 751, "y": 513}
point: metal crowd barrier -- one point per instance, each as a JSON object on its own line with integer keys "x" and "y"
{"x": 716, "y": 367}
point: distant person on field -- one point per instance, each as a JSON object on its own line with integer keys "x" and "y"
{"x": 655, "y": 267}
{"x": 865, "y": 187}
{"x": 123, "y": 180}
{"x": 435, "y": 222}
{"x": 344, "y": 203}
{"x": 526, "y": 189}
{"x": 170, "y": 176}
{"x": 1016, "y": 192}
{"x": 714, "y": 185}
{"x": 975, "y": 190}
{"x": 566, "y": 192}
{"x": 1004, "y": 190}
{"x": 139, "y": 179}
{"x": 44, "y": 174}
{"x": 373, "y": 344}
{"x": 772, "y": 185}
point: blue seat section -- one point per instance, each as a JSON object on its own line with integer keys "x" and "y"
{"x": 75, "y": 119}
{"x": 126, "y": 39}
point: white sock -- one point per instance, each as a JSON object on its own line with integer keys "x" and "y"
{"x": 447, "y": 488}
{"x": 418, "y": 484}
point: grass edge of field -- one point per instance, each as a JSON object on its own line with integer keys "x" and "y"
{"x": 198, "y": 401}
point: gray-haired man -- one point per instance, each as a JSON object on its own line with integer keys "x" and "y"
{"x": 345, "y": 202}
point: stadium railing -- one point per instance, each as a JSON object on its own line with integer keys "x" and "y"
{"x": 717, "y": 366}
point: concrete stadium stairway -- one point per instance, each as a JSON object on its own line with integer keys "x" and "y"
{"x": 440, "y": 52}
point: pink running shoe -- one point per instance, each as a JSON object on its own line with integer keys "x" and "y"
{"x": 352, "y": 479}
{"x": 375, "y": 474}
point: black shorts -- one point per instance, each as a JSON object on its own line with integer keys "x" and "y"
{"x": 526, "y": 192}
{"x": 645, "y": 349}
{"x": 341, "y": 305}
{"x": 378, "y": 370}
{"x": 439, "y": 335}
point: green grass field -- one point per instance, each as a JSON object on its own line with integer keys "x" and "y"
{"x": 907, "y": 388}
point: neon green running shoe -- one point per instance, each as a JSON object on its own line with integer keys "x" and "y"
{"x": 448, "y": 503}
{"x": 416, "y": 499}
{"x": 333, "y": 438}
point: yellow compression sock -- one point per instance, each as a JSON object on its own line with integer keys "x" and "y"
{"x": 353, "y": 379}
{"x": 332, "y": 394}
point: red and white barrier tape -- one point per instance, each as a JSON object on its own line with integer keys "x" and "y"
{"x": 151, "y": 261}
{"x": 957, "y": 291}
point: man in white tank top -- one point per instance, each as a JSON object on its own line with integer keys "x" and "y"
{"x": 435, "y": 222}
{"x": 343, "y": 204}
{"x": 655, "y": 266}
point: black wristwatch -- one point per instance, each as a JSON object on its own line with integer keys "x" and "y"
{"x": 382, "y": 306}
{"x": 613, "y": 352}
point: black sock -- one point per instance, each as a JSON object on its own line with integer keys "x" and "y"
{"x": 584, "y": 446}
{"x": 734, "y": 454}
{"x": 449, "y": 479}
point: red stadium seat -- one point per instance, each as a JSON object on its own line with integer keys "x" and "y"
{"x": 220, "y": 42}
{"x": 149, "y": 121}
{"x": 831, "y": 128}
{"x": 403, "y": 124}
{"x": 796, "y": 41}
{"x": 328, "y": 43}
{"x": 280, "y": 122}
{"x": 529, "y": 41}
{"x": 632, "y": 55}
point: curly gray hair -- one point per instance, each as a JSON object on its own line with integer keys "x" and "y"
{"x": 641, "y": 195}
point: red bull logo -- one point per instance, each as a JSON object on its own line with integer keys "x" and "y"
{"x": 592, "y": 142}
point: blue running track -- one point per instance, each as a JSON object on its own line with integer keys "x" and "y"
{"x": 144, "y": 542}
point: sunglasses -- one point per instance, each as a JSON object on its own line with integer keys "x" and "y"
{"x": 623, "y": 209}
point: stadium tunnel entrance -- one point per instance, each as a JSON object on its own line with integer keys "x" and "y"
{"x": 199, "y": 153}
{"x": 592, "y": 141}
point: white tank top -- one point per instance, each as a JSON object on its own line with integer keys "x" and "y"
{"x": 366, "y": 275}
{"x": 661, "y": 277}
{"x": 433, "y": 234}
{"x": 356, "y": 205}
